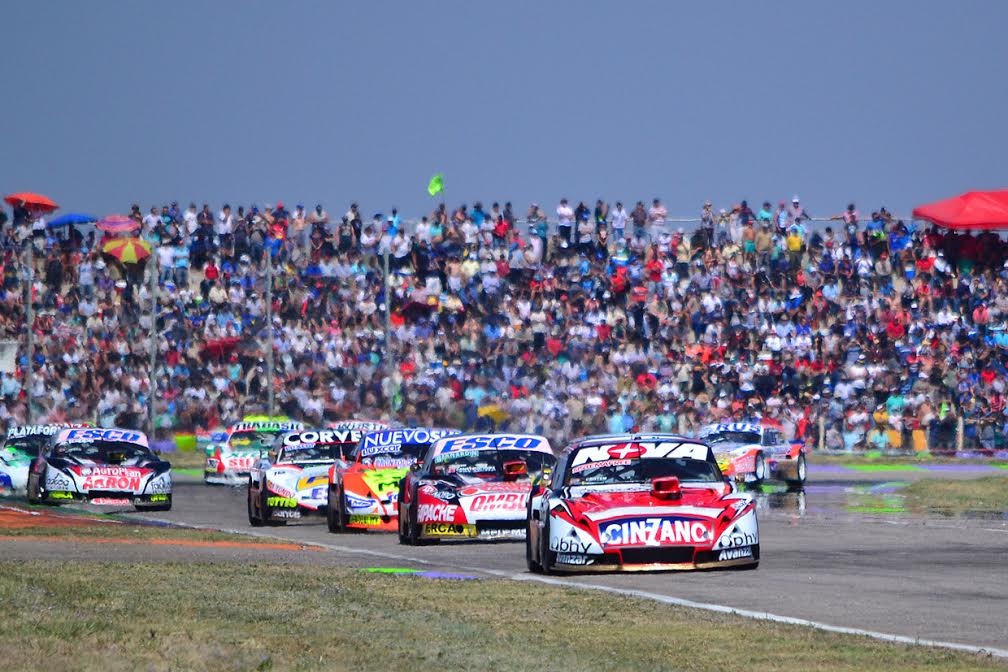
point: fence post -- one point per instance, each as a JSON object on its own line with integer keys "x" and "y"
{"x": 960, "y": 433}
{"x": 822, "y": 434}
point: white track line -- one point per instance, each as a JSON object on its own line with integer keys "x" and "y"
{"x": 641, "y": 594}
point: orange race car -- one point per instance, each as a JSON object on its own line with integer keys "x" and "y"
{"x": 365, "y": 495}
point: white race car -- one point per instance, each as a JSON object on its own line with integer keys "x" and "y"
{"x": 756, "y": 451}
{"x": 111, "y": 467}
{"x": 23, "y": 445}
{"x": 230, "y": 459}
{"x": 296, "y": 484}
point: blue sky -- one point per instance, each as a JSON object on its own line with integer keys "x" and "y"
{"x": 892, "y": 103}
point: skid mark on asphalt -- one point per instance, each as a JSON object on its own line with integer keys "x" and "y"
{"x": 640, "y": 594}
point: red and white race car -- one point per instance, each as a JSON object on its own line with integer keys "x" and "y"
{"x": 639, "y": 502}
{"x": 472, "y": 486}
{"x": 753, "y": 452}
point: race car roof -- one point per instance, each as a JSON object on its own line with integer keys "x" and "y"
{"x": 474, "y": 442}
{"x": 638, "y": 446}
{"x": 749, "y": 426}
{"x": 89, "y": 435}
{"x": 323, "y": 436}
{"x": 412, "y": 435}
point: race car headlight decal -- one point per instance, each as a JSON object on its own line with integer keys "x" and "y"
{"x": 160, "y": 484}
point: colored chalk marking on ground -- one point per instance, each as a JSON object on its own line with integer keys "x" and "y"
{"x": 390, "y": 570}
{"x": 885, "y": 467}
{"x": 447, "y": 576}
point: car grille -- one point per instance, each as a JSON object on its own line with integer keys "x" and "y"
{"x": 666, "y": 556}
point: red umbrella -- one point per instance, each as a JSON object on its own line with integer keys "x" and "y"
{"x": 117, "y": 224}
{"x": 33, "y": 202}
{"x": 972, "y": 210}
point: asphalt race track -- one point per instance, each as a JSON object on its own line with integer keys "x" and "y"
{"x": 943, "y": 579}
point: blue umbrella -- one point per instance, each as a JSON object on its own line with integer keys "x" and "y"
{"x": 71, "y": 218}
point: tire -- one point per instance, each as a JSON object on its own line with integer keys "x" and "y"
{"x": 759, "y": 470}
{"x": 400, "y": 512}
{"x": 34, "y": 493}
{"x": 533, "y": 565}
{"x": 255, "y": 520}
{"x": 545, "y": 562}
{"x": 801, "y": 473}
{"x": 412, "y": 527}
{"x": 336, "y": 512}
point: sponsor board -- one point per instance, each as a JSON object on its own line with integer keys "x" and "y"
{"x": 654, "y": 531}
{"x": 436, "y": 513}
{"x": 735, "y": 553}
{"x": 449, "y": 530}
{"x": 274, "y": 501}
{"x": 510, "y": 501}
{"x": 364, "y": 519}
{"x": 573, "y": 559}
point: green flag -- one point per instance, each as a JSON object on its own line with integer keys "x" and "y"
{"x": 436, "y": 185}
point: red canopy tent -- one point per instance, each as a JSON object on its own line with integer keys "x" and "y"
{"x": 972, "y": 210}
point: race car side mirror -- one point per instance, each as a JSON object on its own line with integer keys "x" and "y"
{"x": 515, "y": 470}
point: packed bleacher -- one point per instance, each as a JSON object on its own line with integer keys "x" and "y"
{"x": 855, "y": 333}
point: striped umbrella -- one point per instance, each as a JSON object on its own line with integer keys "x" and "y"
{"x": 127, "y": 250}
{"x": 117, "y": 224}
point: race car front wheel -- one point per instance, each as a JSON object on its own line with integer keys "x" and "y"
{"x": 335, "y": 514}
{"x": 759, "y": 469}
{"x": 801, "y": 472}
{"x": 254, "y": 519}
{"x": 34, "y": 491}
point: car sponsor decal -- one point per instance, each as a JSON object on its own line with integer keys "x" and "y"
{"x": 654, "y": 531}
{"x": 735, "y": 553}
{"x": 111, "y": 501}
{"x": 493, "y": 441}
{"x": 278, "y": 489}
{"x": 640, "y": 450}
{"x": 742, "y": 427}
{"x": 111, "y": 478}
{"x": 44, "y": 430}
{"x": 359, "y": 425}
{"x": 312, "y": 481}
{"x": 432, "y": 491}
{"x": 286, "y": 513}
{"x": 599, "y": 465}
{"x": 383, "y": 481}
{"x": 568, "y": 545}
{"x": 240, "y": 463}
{"x": 159, "y": 498}
{"x": 448, "y": 530}
{"x": 380, "y": 442}
{"x": 484, "y": 488}
{"x": 358, "y": 502}
{"x": 736, "y": 538}
{"x": 323, "y": 436}
{"x": 436, "y": 513}
{"x": 91, "y": 435}
{"x": 60, "y": 494}
{"x": 266, "y": 427}
{"x": 371, "y": 520}
{"x": 509, "y": 501}
{"x": 281, "y": 502}
{"x": 573, "y": 559}
{"x": 56, "y": 481}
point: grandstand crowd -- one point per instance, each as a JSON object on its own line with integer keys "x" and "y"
{"x": 855, "y": 333}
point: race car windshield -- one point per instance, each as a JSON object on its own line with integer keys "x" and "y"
{"x": 29, "y": 445}
{"x": 315, "y": 452}
{"x": 253, "y": 439}
{"x": 618, "y": 472}
{"x": 119, "y": 453}
{"x": 473, "y": 466}
{"x": 732, "y": 437}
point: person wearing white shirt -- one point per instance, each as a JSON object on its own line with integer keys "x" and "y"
{"x": 565, "y": 221}
{"x": 657, "y": 215}
{"x": 151, "y": 220}
{"x": 619, "y": 218}
{"x": 190, "y": 221}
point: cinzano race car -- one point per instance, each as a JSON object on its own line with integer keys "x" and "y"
{"x": 23, "y": 445}
{"x": 472, "y": 486}
{"x": 230, "y": 458}
{"x": 639, "y": 502}
{"x": 296, "y": 483}
{"x": 110, "y": 467}
{"x": 753, "y": 452}
{"x": 365, "y": 495}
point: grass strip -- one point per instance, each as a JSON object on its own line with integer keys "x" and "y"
{"x": 301, "y": 617}
{"x": 932, "y": 495}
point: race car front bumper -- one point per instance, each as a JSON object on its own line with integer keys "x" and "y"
{"x": 667, "y": 558}
{"x": 486, "y": 530}
{"x": 226, "y": 477}
{"x": 105, "y": 498}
